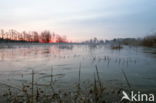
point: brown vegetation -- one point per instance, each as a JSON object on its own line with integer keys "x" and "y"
{"x": 150, "y": 41}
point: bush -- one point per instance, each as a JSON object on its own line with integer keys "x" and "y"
{"x": 149, "y": 41}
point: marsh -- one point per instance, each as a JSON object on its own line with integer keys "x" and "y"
{"x": 64, "y": 61}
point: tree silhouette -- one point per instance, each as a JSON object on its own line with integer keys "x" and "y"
{"x": 45, "y": 37}
{"x": 34, "y": 36}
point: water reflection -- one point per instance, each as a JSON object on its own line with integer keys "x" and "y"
{"x": 65, "y": 59}
{"x": 35, "y": 50}
{"x": 150, "y": 51}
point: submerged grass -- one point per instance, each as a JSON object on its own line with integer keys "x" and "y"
{"x": 93, "y": 93}
{"x": 125, "y": 76}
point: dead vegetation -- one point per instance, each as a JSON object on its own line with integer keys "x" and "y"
{"x": 32, "y": 93}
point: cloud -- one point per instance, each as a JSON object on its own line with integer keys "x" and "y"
{"x": 80, "y": 18}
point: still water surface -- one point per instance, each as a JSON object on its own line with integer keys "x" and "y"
{"x": 64, "y": 61}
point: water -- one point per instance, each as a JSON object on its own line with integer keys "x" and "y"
{"x": 18, "y": 61}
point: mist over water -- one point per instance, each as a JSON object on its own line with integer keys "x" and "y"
{"x": 18, "y": 61}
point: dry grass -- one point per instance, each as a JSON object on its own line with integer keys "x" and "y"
{"x": 30, "y": 93}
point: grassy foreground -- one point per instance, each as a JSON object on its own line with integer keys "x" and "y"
{"x": 95, "y": 92}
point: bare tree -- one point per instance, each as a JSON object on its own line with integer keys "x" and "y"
{"x": 35, "y": 36}
{"x": 45, "y": 36}
{"x": 60, "y": 39}
{"x": 2, "y": 33}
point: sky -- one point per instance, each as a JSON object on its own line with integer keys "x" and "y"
{"x": 81, "y": 19}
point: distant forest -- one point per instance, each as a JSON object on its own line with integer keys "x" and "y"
{"x": 34, "y": 36}
{"x": 148, "y": 41}
{"x": 48, "y": 37}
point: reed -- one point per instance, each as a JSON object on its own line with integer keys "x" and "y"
{"x": 32, "y": 92}
{"x": 51, "y": 80}
{"x": 95, "y": 89}
{"x": 79, "y": 81}
{"x": 98, "y": 77}
{"x": 125, "y": 76}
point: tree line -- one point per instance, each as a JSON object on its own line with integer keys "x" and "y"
{"x": 148, "y": 41}
{"x": 33, "y": 36}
